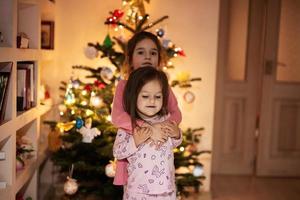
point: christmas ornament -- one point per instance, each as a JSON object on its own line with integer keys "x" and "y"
{"x": 106, "y": 75}
{"x": 75, "y": 83}
{"x": 88, "y": 87}
{"x": 69, "y": 97}
{"x": 64, "y": 127}
{"x": 54, "y": 140}
{"x": 96, "y": 101}
{"x": 179, "y": 51}
{"x": 137, "y": 5}
{"x": 189, "y": 97}
{"x": 91, "y": 52}
{"x": 107, "y": 42}
{"x": 183, "y": 76}
{"x": 118, "y": 14}
{"x": 110, "y": 169}
{"x": 88, "y": 133}
{"x": 78, "y": 123}
{"x": 165, "y": 43}
{"x": 70, "y": 186}
{"x": 19, "y": 164}
{"x": 160, "y": 32}
{"x": 198, "y": 171}
{"x": 99, "y": 84}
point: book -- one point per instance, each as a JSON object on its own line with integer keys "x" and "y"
{"x": 2, "y": 155}
{"x": 26, "y": 86}
{"x": 5, "y": 73}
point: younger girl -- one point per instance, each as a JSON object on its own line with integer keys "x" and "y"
{"x": 151, "y": 172}
{"x": 143, "y": 49}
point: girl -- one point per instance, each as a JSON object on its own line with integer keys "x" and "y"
{"x": 151, "y": 172}
{"x": 143, "y": 49}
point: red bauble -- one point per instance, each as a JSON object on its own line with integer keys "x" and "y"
{"x": 118, "y": 14}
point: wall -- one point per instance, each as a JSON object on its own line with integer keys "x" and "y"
{"x": 193, "y": 25}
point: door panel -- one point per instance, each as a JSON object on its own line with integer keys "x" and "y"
{"x": 236, "y": 97}
{"x": 279, "y": 138}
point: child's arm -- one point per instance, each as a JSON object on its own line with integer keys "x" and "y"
{"x": 119, "y": 117}
{"x": 175, "y": 114}
{"x": 124, "y": 145}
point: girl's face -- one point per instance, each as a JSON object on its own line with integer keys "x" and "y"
{"x": 150, "y": 99}
{"x": 145, "y": 53}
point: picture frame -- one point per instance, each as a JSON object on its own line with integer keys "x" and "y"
{"x": 5, "y": 72}
{"x": 47, "y": 35}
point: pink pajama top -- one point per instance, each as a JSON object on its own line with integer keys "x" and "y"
{"x": 122, "y": 120}
{"x": 150, "y": 170}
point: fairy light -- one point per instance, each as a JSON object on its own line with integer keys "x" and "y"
{"x": 93, "y": 93}
{"x": 84, "y": 92}
{"x": 140, "y": 17}
{"x": 116, "y": 29}
{"x": 72, "y": 112}
{"x": 169, "y": 63}
{"x": 181, "y": 149}
{"x": 61, "y": 113}
{"x": 165, "y": 68}
{"x": 108, "y": 118}
{"x": 84, "y": 103}
{"x": 89, "y": 112}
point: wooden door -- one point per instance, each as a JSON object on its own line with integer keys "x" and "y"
{"x": 279, "y": 133}
{"x": 237, "y": 96}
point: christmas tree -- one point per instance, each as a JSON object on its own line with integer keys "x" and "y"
{"x": 83, "y": 147}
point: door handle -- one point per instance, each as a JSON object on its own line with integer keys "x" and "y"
{"x": 269, "y": 67}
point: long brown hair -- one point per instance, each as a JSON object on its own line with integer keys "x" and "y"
{"x": 138, "y": 37}
{"x": 137, "y": 79}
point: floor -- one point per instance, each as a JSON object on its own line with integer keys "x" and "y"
{"x": 254, "y": 188}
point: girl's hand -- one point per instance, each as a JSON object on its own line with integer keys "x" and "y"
{"x": 171, "y": 129}
{"x": 140, "y": 135}
{"x": 158, "y": 136}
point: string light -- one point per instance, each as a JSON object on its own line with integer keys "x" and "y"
{"x": 84, "y": 92}
{"x": 84, "y": 103}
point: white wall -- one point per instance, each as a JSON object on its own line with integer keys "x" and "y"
{"x": 193, "y": 25}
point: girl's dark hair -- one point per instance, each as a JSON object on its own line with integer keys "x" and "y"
{"x": 137, "y": 79}
{"x": 132, "y": 44}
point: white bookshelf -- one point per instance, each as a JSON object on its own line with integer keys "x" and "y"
{"x": 23, "y": 16}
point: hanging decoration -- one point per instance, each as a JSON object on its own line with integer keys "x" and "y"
{"x": 189, "y": 97}
{"x": 64, "y": 127}
{"x": 91, "y": 52}
{"x": 88, "y": 133}
{"x": 110, "y": 169}
{"x": 107, "y": 42}
{"x": 106, "y": 74}
{"x": 71, "y": 185}
{"x": 160, "y": 32}
{"x": 198, "y": 171}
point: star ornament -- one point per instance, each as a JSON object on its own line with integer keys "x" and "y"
{"x": 139, "y": 4}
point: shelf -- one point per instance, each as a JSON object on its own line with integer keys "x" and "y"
{"x": 23, "y": 119}
{"x": 4, "y": 129}
{"x": 28, "y": 21}
{"x": 6, "y": 193}
{"x": 16, "y": 17}
{"x": 8, "y": 54}
{"x": 24, "y": 175}
{"x": 31, "y": 166}
{"x": 6, "y": 23}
